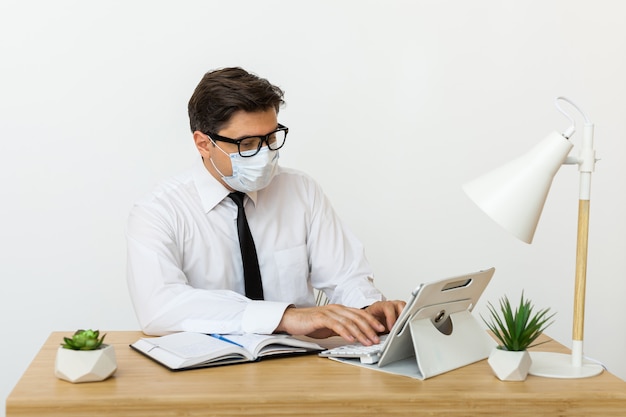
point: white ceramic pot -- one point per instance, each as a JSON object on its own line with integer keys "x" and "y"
{"x": 509, "y": 366}
{"x": 85, "y": 365}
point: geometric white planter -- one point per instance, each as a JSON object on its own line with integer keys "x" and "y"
{"x": 510, "y": 366}
{"x": 85, "y": 365}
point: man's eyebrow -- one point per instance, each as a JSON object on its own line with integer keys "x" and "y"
{"x": 257, "y": 136}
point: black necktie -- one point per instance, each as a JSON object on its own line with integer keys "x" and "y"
{"x": 251, "y": 272}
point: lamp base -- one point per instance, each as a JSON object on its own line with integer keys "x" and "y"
{"x": 559, "y": 365}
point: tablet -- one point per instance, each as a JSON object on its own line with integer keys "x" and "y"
{"x": 435, "y": 301}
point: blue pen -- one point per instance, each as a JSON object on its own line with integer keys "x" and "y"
{"x": 221, "y": 337}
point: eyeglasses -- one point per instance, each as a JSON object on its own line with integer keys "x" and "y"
{"x": 251, "y": 145}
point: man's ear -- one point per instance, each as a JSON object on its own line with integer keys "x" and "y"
{"x": 202, "y": 143}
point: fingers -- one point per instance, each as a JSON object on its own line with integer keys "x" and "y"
{"x": 353, "y": 324}
{"x": 387, "y": 311}
{"x": 350, "y": 323}
{"x": 398, "y": 306}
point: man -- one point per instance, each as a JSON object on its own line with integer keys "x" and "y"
{"x": 185, "y": 270}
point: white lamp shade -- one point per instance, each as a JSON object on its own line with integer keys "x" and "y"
{"x": 514, "y": 194}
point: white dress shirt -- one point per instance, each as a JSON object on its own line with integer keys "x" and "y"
{"x": 184, "y": 263}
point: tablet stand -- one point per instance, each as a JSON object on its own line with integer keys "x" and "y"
{"x": 437, "y": 352}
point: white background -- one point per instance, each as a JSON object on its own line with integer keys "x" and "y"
{"x": 392, "y": 106}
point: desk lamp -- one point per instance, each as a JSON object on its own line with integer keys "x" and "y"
{"x": 514, "y": 195}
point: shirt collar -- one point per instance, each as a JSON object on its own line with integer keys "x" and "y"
{"x": 210, "y": 190}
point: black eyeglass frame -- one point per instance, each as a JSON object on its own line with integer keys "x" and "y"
{"x": 264, "y": 138}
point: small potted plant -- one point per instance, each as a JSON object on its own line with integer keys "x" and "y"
{"x": 515, "y": 331}
{"x": 85, "y": 358}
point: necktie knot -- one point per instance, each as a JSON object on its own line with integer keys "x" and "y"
{"x": 237, "y": 197}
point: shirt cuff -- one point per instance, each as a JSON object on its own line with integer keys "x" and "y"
{"x": 262, "y": 316}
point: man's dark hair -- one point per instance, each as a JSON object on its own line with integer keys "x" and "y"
{"x": 222, "y": 92}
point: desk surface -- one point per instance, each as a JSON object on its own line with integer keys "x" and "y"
{"x": 305, "y": 385}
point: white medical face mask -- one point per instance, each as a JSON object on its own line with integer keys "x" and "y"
{"x": 252, "y": 173}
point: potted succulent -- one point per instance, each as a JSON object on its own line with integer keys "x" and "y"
{"x": 85, "y": 358}
{"x": 515, "y": 331}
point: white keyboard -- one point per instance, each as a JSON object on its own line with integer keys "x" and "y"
{"x": 366, "y": 354}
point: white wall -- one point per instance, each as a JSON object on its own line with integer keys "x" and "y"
{"x": 392, "y": 105}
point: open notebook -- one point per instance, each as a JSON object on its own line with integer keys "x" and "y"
{"x": 189, "y": 350}
{"x": 443, "y": 305}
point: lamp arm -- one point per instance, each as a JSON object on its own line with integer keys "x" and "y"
{"x": 586, "y": 165}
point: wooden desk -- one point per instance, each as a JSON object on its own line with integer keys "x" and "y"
{"x": 302, "y": 386}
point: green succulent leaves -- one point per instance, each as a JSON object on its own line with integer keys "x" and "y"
{"x": 516, "y": 330}
{"x": 84, "y": 340}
